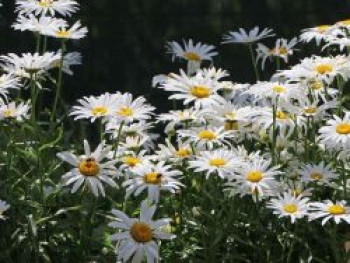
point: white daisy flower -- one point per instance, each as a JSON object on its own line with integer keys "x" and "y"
{"x": 194, "y": 54}
{"x": 257, "y": 175}
{"x": 202, "y": 91}
{"x": 174, "y": 153}
{"x": 319, "y": 173}
{"x": 283, "y": 49}
{"x": 31, "y": 63}
{"x": 8, "y": 82}
{"x": 139, "y": 235}
{"x": 337, "y": 211}
{"x": 3, "y": 207}
{"x": 77, "y": 31}
{"x": 206, "y": 137}
{"x": 15, "y": 111}
{"x": 289, "y": 205}
{"x": 94, "y": 107}
{"x": 38, "y": 25}
{"x": 154, "y": 178}
{"x": 43, "y": 7}
{"x": 130, "y": 160}
{"x": 128, "y": 109}
{"x": 90, "y": 169}
{"x": 245, "y": 37}
{"x": 318, "y": 34}
{"x": 336, "y": 133}
{"x": 218, "y": 162}
{"x": 69, "y": 59}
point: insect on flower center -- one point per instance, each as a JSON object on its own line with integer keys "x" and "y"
{"x": 62, "y": 33}
{"x": 89, "y": 167}
{"x": 207, "y": 135}
{"x": 45, "y": 3}
{"x": 343, "y": 128}
{"x": 200, "y": 92}
{"x": 278, "y": 89}
{"x": 152, "y": 178}
{"x": 316, "y": 176}
{"x": 141, "y": 232}
{"x": 125, "y": 112}
{"x": 183, "y": 152}
{"x": 254, "y": 176}
{"x": 217, "y": 162}
{"x": 323, "y": 69}
{"x": 336, "y": 210}
{"x": 131, "y": 161}
{"x": 290, "y": 208}
{"x": 99, "y": 110}
{"x": 192, "y": 56}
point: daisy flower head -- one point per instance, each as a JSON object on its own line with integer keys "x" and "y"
{"x": 77, "y": 31}
{"x": 154, "y": 178}
{"x": 38, "y": 25}
{"x": 218, "y": 162}
{"x": 314, "y": 109}
{"x": 8, "y": 82}
{"x": 328, "y": 210}
{"x": 257, "y": 175}
{"x": 3, "y": 207}
{"x": 291, "y": 206}
{"x": 90, "y": 168}
{"x": 283, "y": 49}
{"x": 319, "y": 173}
{"x": 138, "y": 236}
{"x": 200, "y": 90}
{"x": 33, "y": 64}
{"x": 94, "y": 107}
{"x": 336, "y": 132}
{"x": 128, "y": 109}
{"x": 174, "y": 153}
{"x": 318, "y": 33}
{"x": 243, "y": 37}
{"x": 19, "y": 112}
{"x": 69, "y": 59}
{"x": 44, "y": 7}
{"x": 206, "y": 137}
{"x": 130, "y": 160}
{"x": 194, "y": 54}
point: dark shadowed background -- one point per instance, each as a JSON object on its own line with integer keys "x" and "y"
{"x": 125, "y": 45}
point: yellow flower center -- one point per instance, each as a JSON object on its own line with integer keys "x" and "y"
{"x": 192, "y": 56}
{"x": 8, "y": 113}
{"x": 131, "y": 161}
{"x": 336, "y": 210}
{"x": 343, "y": 128}
{"x": 310, "y": 110}
{"x": 290, "y": 208}
{"x": 62, "y": 33}
{"x": 278, "y": 89}
{"x": 322, "y": 28}
{"x": 344, "y": 22}
{"x": 125, "y": 112}
{"x": 254, "y": 176}
{"x": 296, "y": 192}
{"x": 281, "y": 115}
{"x": 141, "y": 232}
{"x": 200, "y": 91}
{"x": 231, "y": 125}
{"x": 317, "y": 85}
{"x": 279, "y": 51}
{"x": 152, "y": 178}
{"x": 183, "y": 152}
{"x": 207, "y": 135}
{"x": 99, "y": 110}
{"x": 89, "y": 167}
{"x": 45, "y": 3}
{"x": 323, "y": 69}
{"x": 217, "y": 162}
{"x": 316, "y": 176}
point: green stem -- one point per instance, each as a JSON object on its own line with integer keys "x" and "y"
{"x": 33, "y": 96}
{"x": 274, "y": 112}
{"x": 59, "y": 82}
{"x": 118, "y": 139}
{"x": 253, "y": 61}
